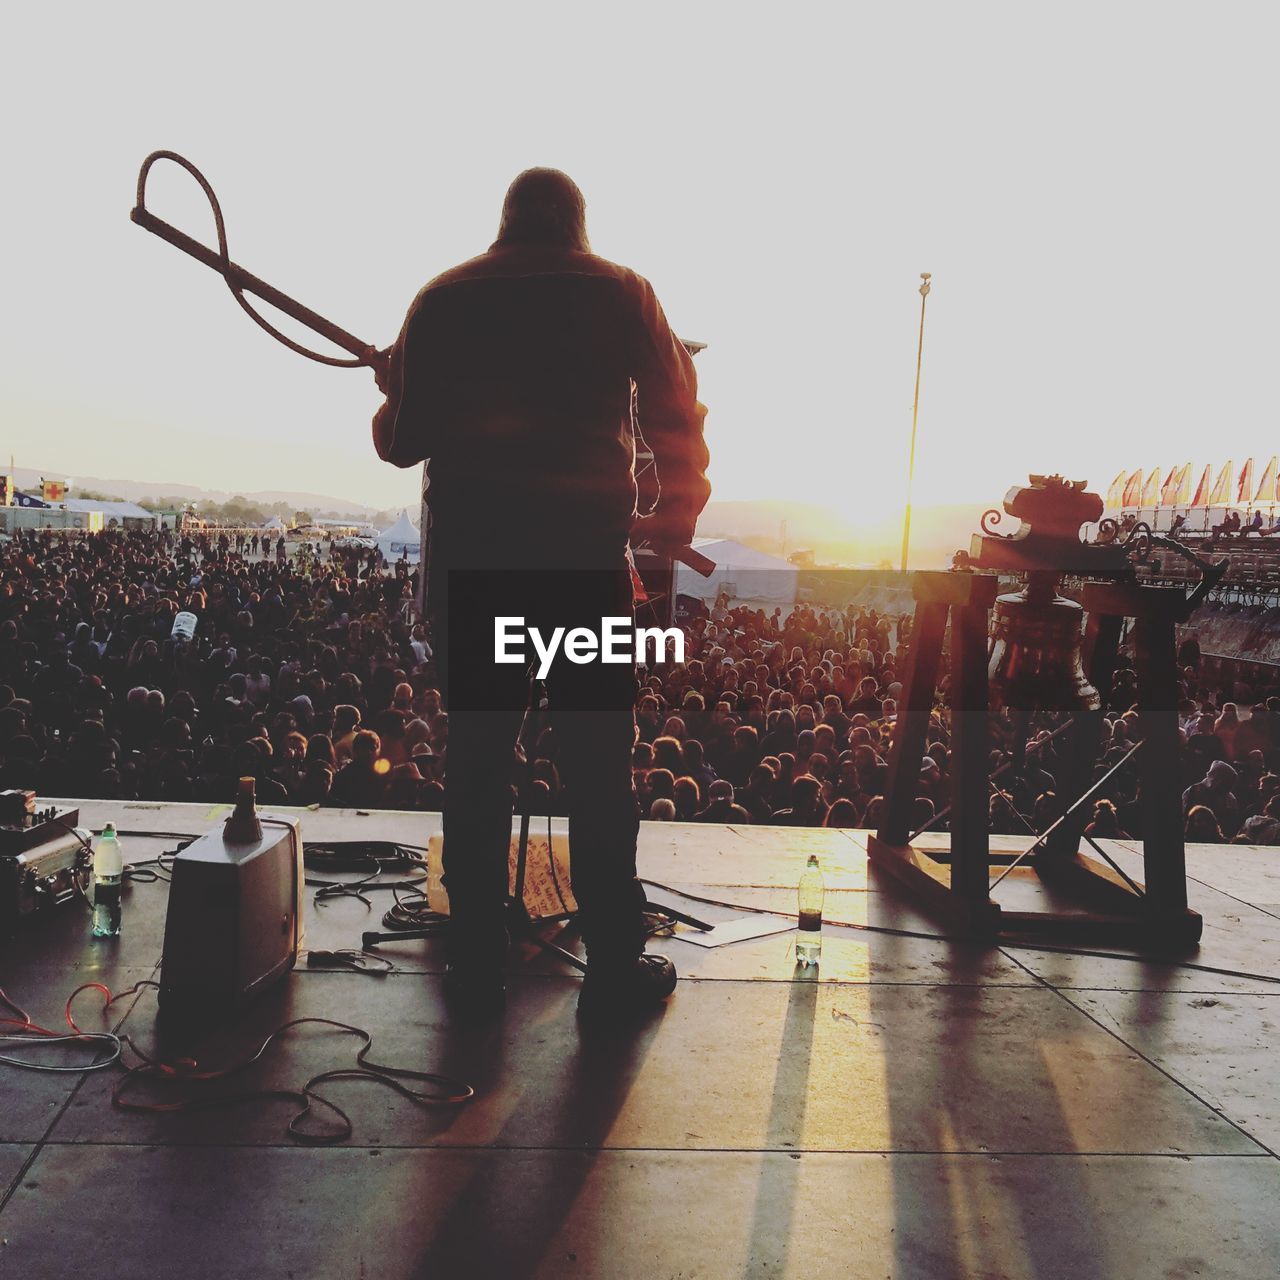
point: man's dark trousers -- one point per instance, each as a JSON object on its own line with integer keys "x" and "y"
{"x": 592, "y": 708}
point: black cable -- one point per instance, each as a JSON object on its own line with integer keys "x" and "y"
{"x": 149, "y": 870}
{"x": 340, "y": 855}
{"x": 970, "y": 941}
{"x": 416, "y": 914}
{"x": 350, "y": 958}
{"x": 450, "y": 1092}
{"x": 95, "y": 1038}
{"x": 158, "y": 835}
{"x": 86, "y": 844}
{"x": 373, "y": 857}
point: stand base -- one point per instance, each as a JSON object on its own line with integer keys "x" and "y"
{"x": 1085, "y": 901}
{"x": 522, "y": 929}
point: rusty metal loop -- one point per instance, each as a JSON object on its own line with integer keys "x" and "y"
{"x": 224, "y": 258}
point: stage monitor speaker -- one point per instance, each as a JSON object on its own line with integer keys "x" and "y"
{"x": 234, "y": 922}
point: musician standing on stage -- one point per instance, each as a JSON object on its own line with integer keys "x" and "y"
{"x": 513, "y": 374}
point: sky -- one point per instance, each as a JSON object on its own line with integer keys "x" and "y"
{"x": 1089, "y": 184}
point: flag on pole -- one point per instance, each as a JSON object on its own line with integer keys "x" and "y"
{"x": 1151, "y": 490}
{"x": 1267, "y": 485}
{"x": 1169, "y": 494}
{"x": 1115, "y": 494}
{"x": 1132, "y": 496}
{"x": 1184, "y": 486}
{"x": 1244, "y": 486}
{"x": 1202, "y": 489}
{"x": 1221, "y": 495}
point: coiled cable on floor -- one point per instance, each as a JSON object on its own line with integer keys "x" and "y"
{"x": 192, "y": 1083}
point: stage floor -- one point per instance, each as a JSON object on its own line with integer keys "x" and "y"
{"x": 922, "y": 1109}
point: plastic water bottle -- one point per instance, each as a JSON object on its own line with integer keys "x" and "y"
{"x": 108, "y": 871}
{"x": 812, "y": 891}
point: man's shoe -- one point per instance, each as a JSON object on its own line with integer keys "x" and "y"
{"x": 474, "y": 992}
{"x": 620, "y": 990}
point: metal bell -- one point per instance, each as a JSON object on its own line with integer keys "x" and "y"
{"x": 1034, "y": 659}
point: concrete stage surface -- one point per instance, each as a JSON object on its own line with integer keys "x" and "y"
{"x": 923, "y": 1109}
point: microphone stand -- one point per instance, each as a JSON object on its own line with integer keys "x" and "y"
{"x": 520, "y": 923}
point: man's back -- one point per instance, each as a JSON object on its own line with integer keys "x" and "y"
{"x": 516, "y": 383}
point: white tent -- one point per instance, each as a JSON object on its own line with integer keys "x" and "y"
{"x": 113, "y": 513}
{"x": 402, "y": 538}
{"x": 274, "y": 525}
{"x": 750, "y": 577}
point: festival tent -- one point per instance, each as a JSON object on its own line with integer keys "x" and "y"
{"x": 274, "y": 525}
{"x": 750, "y": 577}
{"x": 402, "y": 538}
{"x": 127, "y": 515}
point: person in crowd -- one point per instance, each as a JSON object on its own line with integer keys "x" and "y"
{"x": 662, "y": 810}
{"x": 841, "y": 814}
{"x": 1264, "y": 827}
{"x": 1216, "y": 792}
{"x": 362, "y": 783}
{"x": 721, "y": 807}
{"x": 687, "y": 795}
{"x": 1105, "y": 822}
{"x": 1225, "y": 729}
{"x": 757, "y": 796}
{"x": 807, "y": 806}
{"x": 1202, "y": 826}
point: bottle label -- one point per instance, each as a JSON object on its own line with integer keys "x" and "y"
{"x": 811, "y": 921}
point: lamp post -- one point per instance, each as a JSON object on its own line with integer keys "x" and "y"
{"x": 925, "y": 277}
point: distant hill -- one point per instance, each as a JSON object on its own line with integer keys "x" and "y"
{"x": 132, "y": 490}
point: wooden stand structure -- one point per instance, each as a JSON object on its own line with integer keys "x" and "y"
{"x": 1085, "y": 897}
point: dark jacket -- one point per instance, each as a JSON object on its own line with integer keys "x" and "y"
{"x": 513, "y": 374}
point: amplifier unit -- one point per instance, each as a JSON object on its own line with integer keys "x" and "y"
{"x": 45, "y": 859}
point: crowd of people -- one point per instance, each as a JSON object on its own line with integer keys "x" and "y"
{"x": 311, "y": 673}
